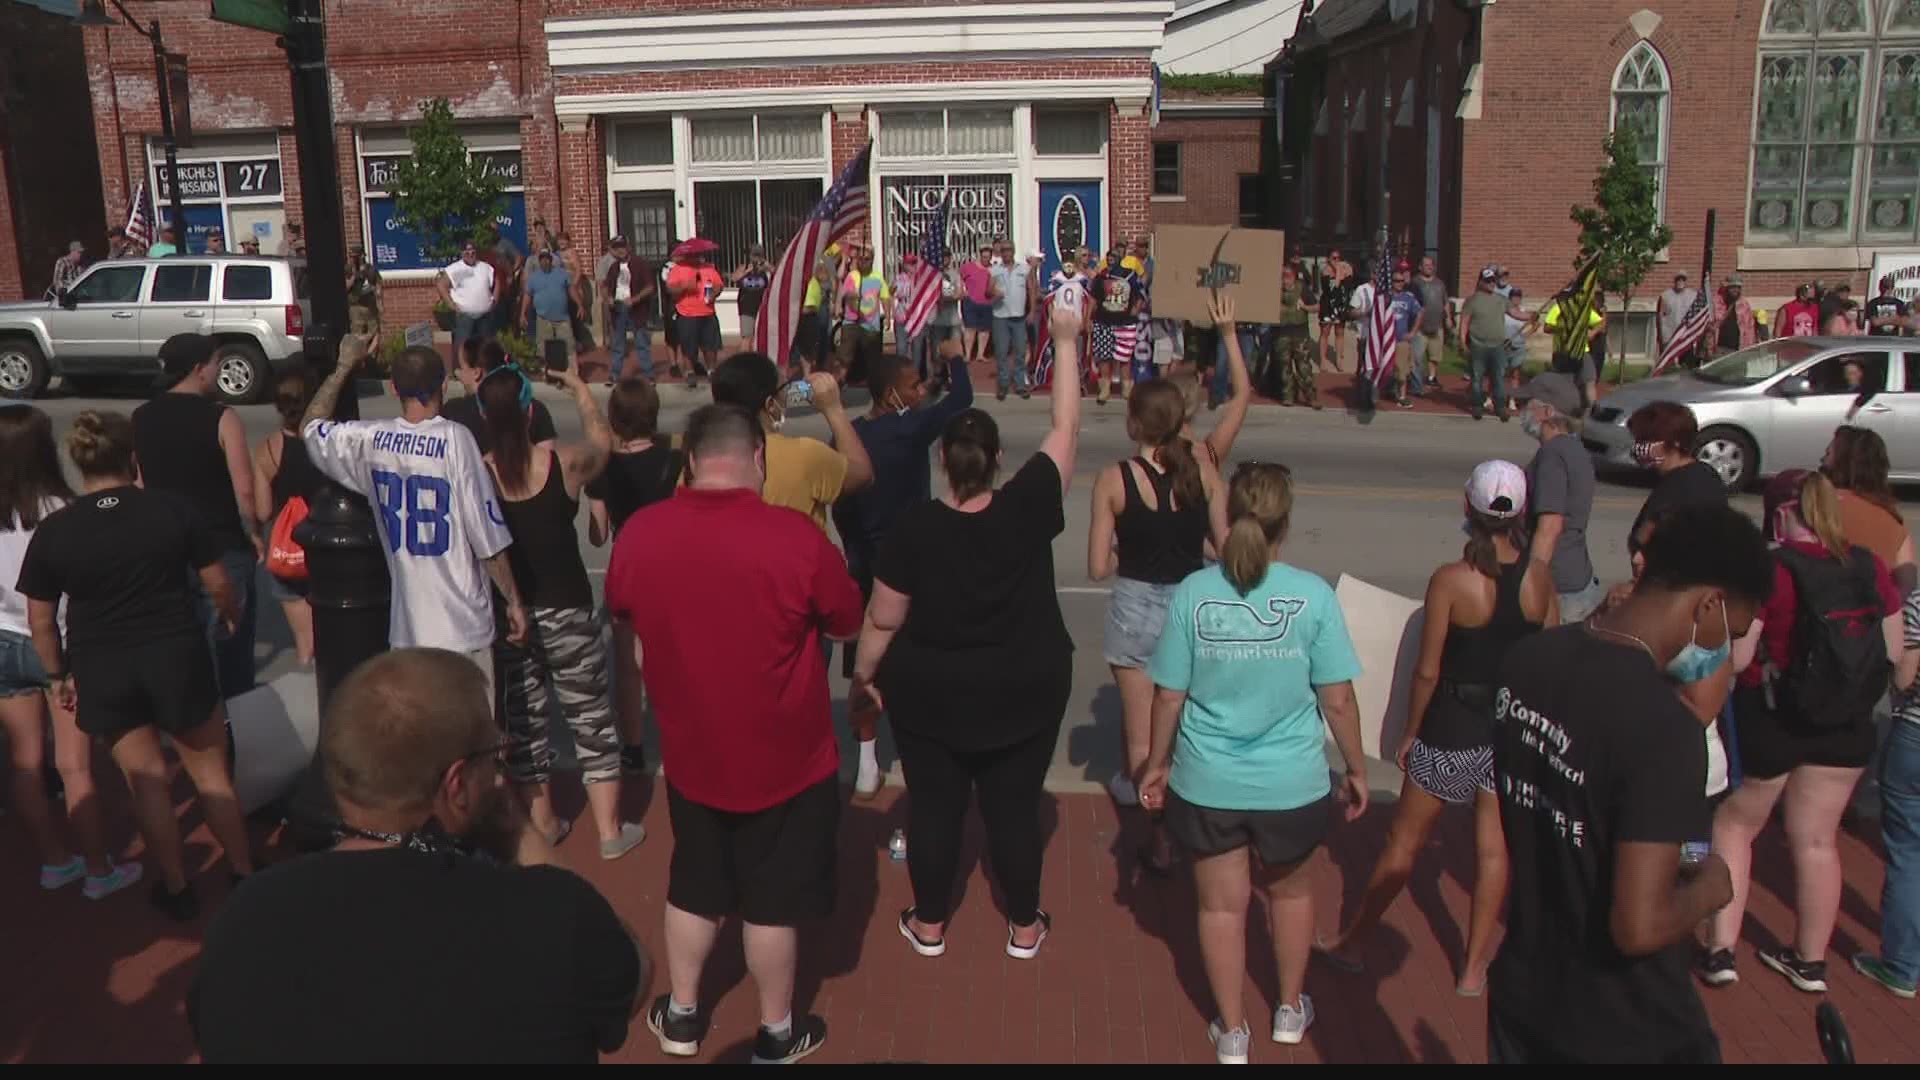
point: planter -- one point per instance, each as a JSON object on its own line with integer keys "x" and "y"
{"x": 443, "y": 318}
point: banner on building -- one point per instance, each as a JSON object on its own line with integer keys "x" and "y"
{"x": 979, "y": 211}
{"x": 1193, "y": 263}
{"x": 1905, "y": 270}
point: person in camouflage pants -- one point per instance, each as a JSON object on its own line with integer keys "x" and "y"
{"x": 1292, "y": 364}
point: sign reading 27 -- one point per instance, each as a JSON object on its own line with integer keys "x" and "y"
{"x": 414, "y": 510}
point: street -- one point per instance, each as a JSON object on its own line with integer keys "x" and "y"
{"x": 1379, "y": 500}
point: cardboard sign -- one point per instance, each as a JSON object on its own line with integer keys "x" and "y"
{"x": 1192, "y": 262}
{"x": 1385, "y": 628}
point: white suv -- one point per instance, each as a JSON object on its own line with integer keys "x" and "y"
{"x": 111, "y": 323}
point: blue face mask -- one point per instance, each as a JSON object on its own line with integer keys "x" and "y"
{"x": 1696, "y": 661}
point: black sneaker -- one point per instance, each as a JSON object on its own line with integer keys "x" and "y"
{"x": 182, "y": 906}
{"x": 1810, "y": 977}
{"x": 809, "y": 1034}
{"x": 679, "y": 1035}
{"x": 633, "y": 760}
{"x": 1714, "y": 966}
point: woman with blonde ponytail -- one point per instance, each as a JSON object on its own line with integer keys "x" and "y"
{"x": 1811, "y": 671}
{"x": 1255, "y": 653}
{"x": 1153, "y": 517}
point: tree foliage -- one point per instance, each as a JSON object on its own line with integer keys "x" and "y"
{"x": 1623, "y": 227}
{"x": 441, "y": 193}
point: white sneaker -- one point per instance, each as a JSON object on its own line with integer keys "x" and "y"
{"x": 1123, "y": 791}
{"x": 1229, "y": 1047}
{"x": 1290, "y": 1023}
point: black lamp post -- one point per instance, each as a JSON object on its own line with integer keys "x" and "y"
{"x": 93, "y": 13}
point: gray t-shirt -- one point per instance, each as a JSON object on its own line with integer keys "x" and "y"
{"x": 1560, "y": 481}
{"x": 1673, "y": 308}
{"x": 1486, "y": 314}
{"x": 1012, "y": 283}
{"x": 1433, "y": 305}
{"x": 952, "y": 289}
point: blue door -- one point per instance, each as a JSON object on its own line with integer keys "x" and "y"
{"x": 1069, "y": 219}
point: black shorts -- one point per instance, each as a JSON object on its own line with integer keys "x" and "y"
{"x": 1280, "y": 837}
{"x": 1774, "y": 742}
{"x": 774, "y": 867}
{"x": 168, "y": 684}
{"x": 697, "y": 332}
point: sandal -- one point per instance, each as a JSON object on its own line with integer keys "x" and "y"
{"x": 1028, "y": 952}
{"x": 920, "y": 945}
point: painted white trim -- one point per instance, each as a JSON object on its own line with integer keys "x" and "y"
{"x": 1053, "y": 91}
{"x": 1816, "y": 257}
{"x": 1056, "y": 29}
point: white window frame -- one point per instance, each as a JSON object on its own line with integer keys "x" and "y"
{"x": 1012, "y": 153}
{"x": 1659, "y": 166}
{"x": 223, "y": 148}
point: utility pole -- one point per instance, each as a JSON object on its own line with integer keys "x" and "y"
{"x": 93, "y": 13}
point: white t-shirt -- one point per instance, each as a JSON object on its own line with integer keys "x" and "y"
{"x": 623, "y": 285}
{"x": 1068, "y": 292}
{"x": 438, "y": 515}
{"x": 13, "y": 551}
{"x": 472, "y": 287}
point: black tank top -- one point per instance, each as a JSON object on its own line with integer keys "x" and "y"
{"x": 296, "y": 474}
{"x": 178, "y": 439}
{"x": 545, "y": 555}
{"x": 1159, "y": 544}
{"x": 1461, "y": 714}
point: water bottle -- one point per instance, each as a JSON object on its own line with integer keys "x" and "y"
{"x": 897, "y": 846}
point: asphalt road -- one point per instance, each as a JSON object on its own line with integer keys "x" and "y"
{"x": 1380, "y": 501}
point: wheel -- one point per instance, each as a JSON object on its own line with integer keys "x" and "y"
{"x": 23, "y": 370}
{"x": 1731, "y": 453}
{"x": 240, "y": 373}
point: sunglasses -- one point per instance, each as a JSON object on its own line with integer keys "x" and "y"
{"x": 498, "y": 752}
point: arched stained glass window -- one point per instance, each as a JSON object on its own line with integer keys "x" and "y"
{"x": 1640, "y": 105}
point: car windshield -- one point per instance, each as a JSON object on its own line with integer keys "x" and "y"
{"x": 1759, "y": 363}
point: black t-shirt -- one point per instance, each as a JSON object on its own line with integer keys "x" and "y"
{"x": 1830, "y": 305}
{"x": 403, "y": 956}
{"x": 465, "y": 411}
{"x": 1730, "y": 330}
{"x": 635, "y": 481}
{"x": 1692, "y": 484}
{"x": 1592, "y": 749}
{"x": 1884, "y": 306}
{"x": 983, "y": 600}
{"x": 178, "y": 439}
{"x": 753, "y": 289}
{"x": 1116, "y": 293}
{"x": 122, "y": 557}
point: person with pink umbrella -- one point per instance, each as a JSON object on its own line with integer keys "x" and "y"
{"x": 694, "y": 285}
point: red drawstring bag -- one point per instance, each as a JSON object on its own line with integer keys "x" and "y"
{"x": 286, "y": 559}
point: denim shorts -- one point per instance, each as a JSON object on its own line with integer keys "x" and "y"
{"x": 1136, "y": 613}
{"x": 20, "y": 670}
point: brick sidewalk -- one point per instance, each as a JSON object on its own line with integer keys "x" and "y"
{"x": 1119, "y": 981}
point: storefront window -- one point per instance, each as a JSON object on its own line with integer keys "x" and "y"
{"x": 390, "y": 244}
{"x": 231, "y": 184}
{"x": 932, "y": 133}
{"x": 736, "y": 214}
{"x": 769, "y": 137}
{"x": 642, "y": 144}
{"x": 980, "y": 211}
{"x": 1836, "y": 135}
{"x": 1065, "y": 132}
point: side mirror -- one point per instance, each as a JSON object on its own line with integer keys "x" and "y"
{"x": 66, "y": 300}
{"x": 1796, "y": 386}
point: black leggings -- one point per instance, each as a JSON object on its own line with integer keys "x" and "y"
{"x": 940, "y": 783}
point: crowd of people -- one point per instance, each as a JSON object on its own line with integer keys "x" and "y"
{"x": 1620, "y": 747}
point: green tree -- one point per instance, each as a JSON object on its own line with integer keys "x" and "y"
{"x": 1623, "y": 226}
{"x": 442, "y": 193}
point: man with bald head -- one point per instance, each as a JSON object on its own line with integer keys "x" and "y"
{"x": 440, "y": 928}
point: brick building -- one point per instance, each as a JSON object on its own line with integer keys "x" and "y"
{"x": 1471, "y": 127}
{"x": 663, "y": 119}
{"x": 1206, "y": 160}
{"x": 49, "y": 191}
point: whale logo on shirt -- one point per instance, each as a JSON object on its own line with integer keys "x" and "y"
{"x": 1235, "y": 622}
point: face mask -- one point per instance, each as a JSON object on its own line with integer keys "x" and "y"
{"x": 1648, "y": 454}
{"x": 1696, "y": 662}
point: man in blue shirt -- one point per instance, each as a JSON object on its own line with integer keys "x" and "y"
{"x": 549, "y": 290}
{"x": 1407, "y": 307}
{"x": 898, "y": 435}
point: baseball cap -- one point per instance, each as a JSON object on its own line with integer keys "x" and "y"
{"x": 617, "y": 241}
{"x": 1735, "y": 279}
{"x": 1403, "y": 265}
{"x": 1554, "y": 388}
{"x": 1489, "y": 272}
{"x": 1036, "y": 253}
{"x": 76, "y": 246}
{"x": 181, "y": 353}
{"x": 1497, "y": 489}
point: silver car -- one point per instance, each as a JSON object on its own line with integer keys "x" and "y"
{"x": 1774, "y": 406}
{"x": 112, "y": 321}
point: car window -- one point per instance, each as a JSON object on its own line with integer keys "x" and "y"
{"x": 180, "y": 282}
{"x": 1758, "y": 363}
{"x": 1913, "y": 373}
{"x": 109, "y": 285}
{"x": 247, "y": 283}
{"x": 1849, "y": 373}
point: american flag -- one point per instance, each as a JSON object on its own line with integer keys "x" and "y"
{"x": 140, "y": 220}
{"x": 1692, "y": 328}
{"x": 844, "y": 207}
{"x": 923, "y": 294}
{"x": 1383, "y": 331}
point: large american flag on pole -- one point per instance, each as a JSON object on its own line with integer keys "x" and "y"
{"x": 1383, "y": 330}
{"x": 844, "y": 207}
{"x": 140, "y": 220}
{"x": 923, "y": 295}
{"x": 1693, "y": 326}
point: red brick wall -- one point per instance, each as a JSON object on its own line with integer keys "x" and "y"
{"x": 49, "y": 191}
{"x": 1215, "y": 152}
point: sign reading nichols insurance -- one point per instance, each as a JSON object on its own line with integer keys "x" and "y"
{"x": 979, "y": 215}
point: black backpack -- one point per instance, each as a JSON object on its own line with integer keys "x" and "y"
{"x": 1839, "y": 669}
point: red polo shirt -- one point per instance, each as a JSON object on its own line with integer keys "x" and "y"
{"x": 728, "y": 597}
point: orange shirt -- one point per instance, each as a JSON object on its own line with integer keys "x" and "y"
{"x": 703, "y": 285}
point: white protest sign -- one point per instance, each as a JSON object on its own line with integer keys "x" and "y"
{"x": 420, "y": 334}
{"x": 1385, "y": 628}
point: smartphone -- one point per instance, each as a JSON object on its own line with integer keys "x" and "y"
{"x": 557, "y": 357}
{"x": 799, "y": 392}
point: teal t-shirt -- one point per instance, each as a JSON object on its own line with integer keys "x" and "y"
{"x": 1251, "y": 736}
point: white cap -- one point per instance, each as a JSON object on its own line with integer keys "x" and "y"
{"x": 1498, "y": 489}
